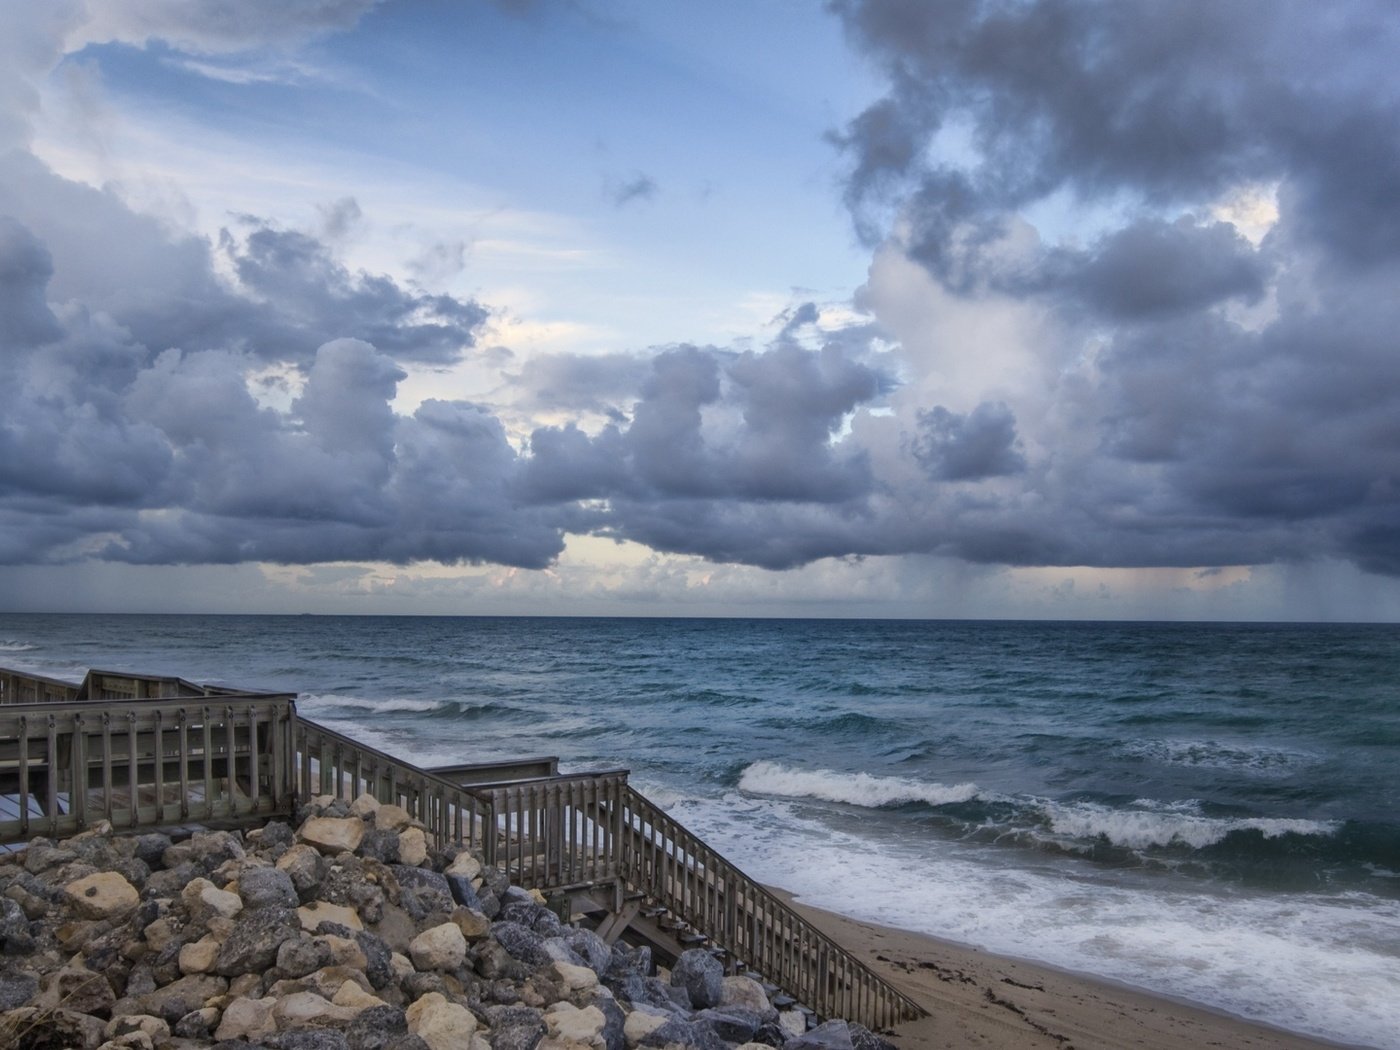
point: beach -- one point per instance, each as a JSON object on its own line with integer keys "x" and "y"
{"x": 989, "y": 1002}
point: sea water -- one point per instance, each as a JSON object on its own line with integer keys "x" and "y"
{"x": 1208, "y": 811}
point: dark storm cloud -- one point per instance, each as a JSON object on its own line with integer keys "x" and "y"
{"x": 318, "y": 298}
{"x": 982, "y": 444}
{"x": 1201, "y": 434}
{"x": 767, "y": 437}
{"x": 292, "y": 293}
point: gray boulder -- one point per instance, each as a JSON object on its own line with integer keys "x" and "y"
{"x": 266, "y": 888}
{"x": 701, "y": 975}
{"x": 252, "y": 946}
{"x": 833, "y": 1035}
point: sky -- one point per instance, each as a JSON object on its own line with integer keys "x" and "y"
{"x": 1015, "y": 308}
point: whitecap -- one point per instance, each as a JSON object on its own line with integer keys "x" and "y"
{"x": 1153, "y": 824}
{"x": 857, "y": 789}
{"x": 329, "y": 701}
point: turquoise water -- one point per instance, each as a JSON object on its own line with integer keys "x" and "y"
{"x": 1210, "y": 811}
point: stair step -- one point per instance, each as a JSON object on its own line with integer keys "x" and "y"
{"x": 782, "y": 1002}
{"x": 692, "y": 938}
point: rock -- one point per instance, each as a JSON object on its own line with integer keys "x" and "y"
{"x": 863, "y": 1038}
{"x": 575, "y": 978}
{"x": 345, "y": 951}
{"x": 463, "y": 892}
{"x": 376, "y": 1028}
{"x": 302, "y": 955}
{"x": 522, "y": 943}
{"x": 701, "y": 975}
{"x": 834, "y": 1035}
{"x": 200, "y": 956}
{"x": 591, "y": 948}
{"x": 422, "y": 891}
{"x": 252, "y": 946}
{"x": 16, "y": 989}
{"x": 103, "y": 895}
{"x": 568, "y": 1022}
{"x": 309, "y": 1010}
{"x": 150, "y": 848}
{"x": 365, "y": 806}
{"x": 474, "y": 925}
{"x": 732, "y": 1024}
{"x": 352, "y": 996}
{"x": 678, "y": 1033}
{"x": 332, "y": 835}
{"x": 792, "y": 1022}
{"x": 197, "y": 1024}
{"x": 204, "y": 901}
{"x": 315, "y": 1039}
{"x": 641, "y": 1022}
{"x": 247, "y": 1018}
{"x": 267, "y": 888}
{"x": 413, "y": 846}
{"x": 747, "y": 994}
{"x": 305, "y": 866}
{"x": 154, "y": 1028}
{"x": 439, "y": 948}
{"x": 62, "y": 1028}
{"x": 312, "y": 915}
{"x": 75, "y": 987}
{"x": 379, "y": 965}
{"x": 443, "y": 1025}
{"x": 381, "y": 845}
{"x": 465, "y": 864}
{"x": 390, "y": 817}
{"x": 179, "y": 997}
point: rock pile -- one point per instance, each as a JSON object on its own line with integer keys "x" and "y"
{"x": 349, "y": 933}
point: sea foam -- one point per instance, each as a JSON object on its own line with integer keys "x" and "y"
{"x": 1167, "y": 824}
{"x": 856, "y": 789}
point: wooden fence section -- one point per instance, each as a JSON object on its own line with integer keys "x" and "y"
{"x": 143, "y": 763}
{"x": 559, "y": 833}
{"x": 19, "y": 688}
{"x": 330, "y": 763}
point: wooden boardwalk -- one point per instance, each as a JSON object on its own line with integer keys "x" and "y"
{"x": 147, "y": 751}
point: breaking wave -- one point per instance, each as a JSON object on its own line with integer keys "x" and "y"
{"x": 856, "y": 789}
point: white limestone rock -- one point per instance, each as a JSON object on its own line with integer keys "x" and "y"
{"x": 439, "y": 948}
{"x": 102, "y": 895}
{"x": 443, "y": 1025}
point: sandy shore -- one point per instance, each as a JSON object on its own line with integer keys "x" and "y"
{"x": 989, "y": 1002}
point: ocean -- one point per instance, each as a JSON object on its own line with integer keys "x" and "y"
{"x": 1207, "y": 811}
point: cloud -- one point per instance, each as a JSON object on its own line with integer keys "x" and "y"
{"x": 1071, "y": 350}
{"x": 953, "y": 447}
{"x": 216, "y": 26}
{"x": 1200, "y": 392}
{"x": 638, "y": 187}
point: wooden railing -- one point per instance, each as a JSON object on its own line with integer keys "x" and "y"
{"x": 675, "y": 868}
{"x": 17, "y": 687}
{"x": 143, "y": 763}
{"x": 330, "y": 763}
{"x": 559, "y": 833}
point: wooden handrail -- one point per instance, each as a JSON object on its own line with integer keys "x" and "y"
{"x": 331, "y": 763}
{"x": 144, "y": 763}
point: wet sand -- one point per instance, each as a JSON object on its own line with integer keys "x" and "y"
{"x": 989, "y": 1002}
